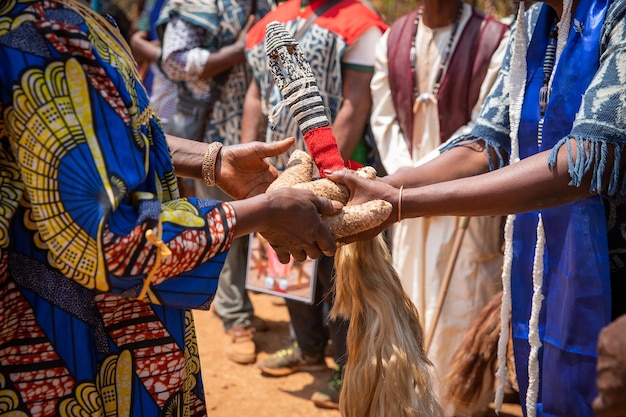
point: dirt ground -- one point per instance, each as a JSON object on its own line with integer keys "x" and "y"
{"x": 234, "y": 390}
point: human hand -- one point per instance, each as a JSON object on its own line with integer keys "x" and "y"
{"x": 290, "y": 220}
{"x": 611, "y": 368}
{"x": 241, "y": 170}
{"x": 363, "y": 190}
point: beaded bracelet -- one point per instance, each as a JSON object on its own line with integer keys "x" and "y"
{"x": 209, "y": 162}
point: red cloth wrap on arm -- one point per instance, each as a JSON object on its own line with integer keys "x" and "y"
{"x": 323, "y": 148}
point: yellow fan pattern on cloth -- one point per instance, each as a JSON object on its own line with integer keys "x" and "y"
{"x": 53, "y": 117}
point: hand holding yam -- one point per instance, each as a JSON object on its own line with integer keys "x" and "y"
{"x": 352, "y": 219}
{"x": 293, "y": 75}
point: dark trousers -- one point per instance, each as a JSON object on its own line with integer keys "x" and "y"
{"x": 310, "y": 322}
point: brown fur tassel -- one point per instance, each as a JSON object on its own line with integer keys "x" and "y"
{"x": 388, "y": 372}
{"x": 475, "y": 359}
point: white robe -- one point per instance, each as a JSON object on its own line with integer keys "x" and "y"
{"x": 422, "y": 246}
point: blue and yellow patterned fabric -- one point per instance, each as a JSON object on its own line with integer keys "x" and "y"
{"x": 85, "y": 173}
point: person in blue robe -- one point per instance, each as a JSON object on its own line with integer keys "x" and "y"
{"x": 547, "y": 150}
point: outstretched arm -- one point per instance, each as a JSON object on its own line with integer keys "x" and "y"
{"x": 279, "y": 216}
{"x": 530, "y": 184}
{"x": 459, "y": 162}
{"x": 241, "y": 170}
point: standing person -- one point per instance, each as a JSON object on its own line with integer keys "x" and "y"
{"x": 337, "y": 41}
{"x": 450, "y": 52}
{"x": 147, "y": 51}
{"x": 100, "y": 261}
{"x": 203, "y": 52}
{"x": 163, "y": 93}
{"x": 556, "y": 113}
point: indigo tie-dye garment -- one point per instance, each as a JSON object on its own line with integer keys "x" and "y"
{"x": 86, "y": 172}
{"x": 196, "y": 29}
{"x": 585, "y": 246}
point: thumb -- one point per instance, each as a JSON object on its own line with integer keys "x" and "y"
{"x": 278, "y": 147}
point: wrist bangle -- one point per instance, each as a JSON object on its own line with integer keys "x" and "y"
{"x": 209, "y": 162}
{"x": 400, "y": 203}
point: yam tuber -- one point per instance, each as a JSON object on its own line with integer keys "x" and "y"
{"x": 339, "y": 192}
{"x": 326, "y": 188}
{"x": 299, "y": 169}
{"x": 351, "y": 219}
{"x": 358, "y": 218}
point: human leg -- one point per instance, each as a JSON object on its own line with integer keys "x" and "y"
{"x": 328, "y": 397}
{"x": 308, "y": 322}
{"x": 233, "y": 306}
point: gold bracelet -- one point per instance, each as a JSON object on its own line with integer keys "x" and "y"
{"x": 209, "y": 162}
{"x": 400, "y": 204}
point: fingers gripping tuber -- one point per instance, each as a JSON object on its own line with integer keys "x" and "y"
{"x": 339, "y": 192}
{"x": 359, "y": 218}
{"x": 326, "y": 188}
{"x": 351, "y": 219}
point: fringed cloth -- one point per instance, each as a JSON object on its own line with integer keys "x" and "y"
{"x": 556, "y": 260}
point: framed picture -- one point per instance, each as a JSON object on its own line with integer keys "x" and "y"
{"x": 295, "y": 280}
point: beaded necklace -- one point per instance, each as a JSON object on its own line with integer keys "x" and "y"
{"x": 445, "y": 56}
{"x": 544, "y": 92}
